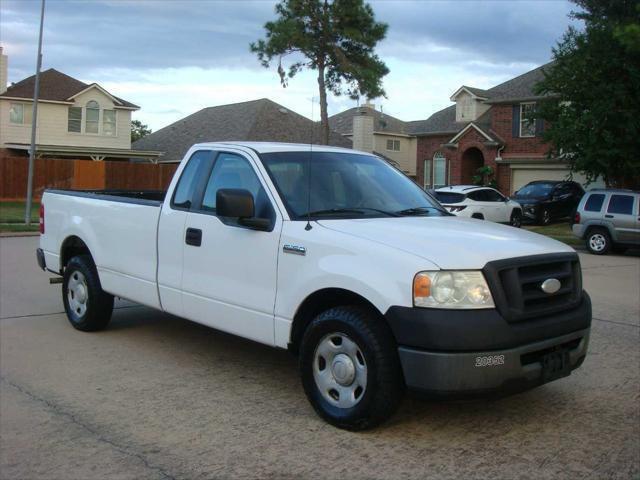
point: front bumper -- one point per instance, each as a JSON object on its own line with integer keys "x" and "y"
{"x": 479, "y": 352}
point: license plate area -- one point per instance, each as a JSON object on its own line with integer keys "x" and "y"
{"x": 555, "y": 364}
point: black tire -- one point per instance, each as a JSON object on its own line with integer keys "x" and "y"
{"x": 478, "y": 216}
{"x": 516, "y": 219}
{"x": 545, "y": 217}
{"x": 598, "y": 241}
{"x": 94, "y": 312}
{"x": 384, "y": 381}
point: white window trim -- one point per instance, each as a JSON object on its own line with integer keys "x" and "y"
{"x": 115, "y": 123}
{"x": 441, "y": 157}
{"x": 24, "y": 108}
{"x": 521, "y": 121}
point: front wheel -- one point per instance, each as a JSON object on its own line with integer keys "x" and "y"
{"x": 545, "y": 217}
{"x": 88, "y": 307}
{"x": 516, "y": 219}
{"x": 350, "y": 368}
{"x": 598, "y": 241}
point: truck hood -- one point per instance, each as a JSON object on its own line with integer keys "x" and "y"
{"x": 449, "y": 242}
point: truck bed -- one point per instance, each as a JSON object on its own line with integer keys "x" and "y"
{"x": 119, "y": 227}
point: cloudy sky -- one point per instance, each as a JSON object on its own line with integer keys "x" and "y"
{"x": 175, "y": 57}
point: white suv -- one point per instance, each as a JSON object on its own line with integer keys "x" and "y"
{"x": 484, "y": 203}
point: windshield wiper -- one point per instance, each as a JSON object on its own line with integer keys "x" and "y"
{"x": 358, "y": 210}
{"x": 417, "y": 211}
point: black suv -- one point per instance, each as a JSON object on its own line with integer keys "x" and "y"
{"x": 546, "y": 200}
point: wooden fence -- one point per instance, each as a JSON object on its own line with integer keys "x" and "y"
{"x": 79, "y": 175}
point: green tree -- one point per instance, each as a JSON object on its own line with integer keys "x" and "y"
{"x": 336, "y": 38}
{"x": 139, "y": 130}
{"x": 593, "y": 93}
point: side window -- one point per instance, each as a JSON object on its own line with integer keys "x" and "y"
{"x": 186, "y": 188}
{"x": 234, "y": 171}
{"x": 594, "y": 202}
{"x": 622, "y": 204}
{"x": 493, "y": 196}
{"x": 479, "y": 196}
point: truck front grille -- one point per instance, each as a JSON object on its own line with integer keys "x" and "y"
{"x": 516, "y": 285}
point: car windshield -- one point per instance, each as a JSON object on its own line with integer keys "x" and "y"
{"x": 345, "y": 185}
{"x": 536, "y": 190}
{"x": 450, "y": 197}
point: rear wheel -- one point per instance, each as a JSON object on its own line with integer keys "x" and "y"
{"x": 350, "y": 368}
{"x": 598, "y": 241}
{"x": 516, "y": 219}
{"x": 88, "y": 307}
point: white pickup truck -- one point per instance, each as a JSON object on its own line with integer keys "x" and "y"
{"x": 337, "y": 256}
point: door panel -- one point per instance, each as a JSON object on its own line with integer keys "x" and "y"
{"x": 229, "y": 278}
{"x": 622, "y": 215}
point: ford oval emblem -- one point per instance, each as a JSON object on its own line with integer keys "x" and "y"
{"x": 550, "y": 285}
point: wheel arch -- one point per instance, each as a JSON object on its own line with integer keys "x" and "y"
{"x": 320, "y": 301}
{"x": 477, "y": 216}
{"x": 71, "y": 247}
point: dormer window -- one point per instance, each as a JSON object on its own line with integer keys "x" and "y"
{"x": 92, "y": 118}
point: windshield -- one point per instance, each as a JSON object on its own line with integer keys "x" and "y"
{"x": 345, "y": 185}
{"x": 536, "y": 190}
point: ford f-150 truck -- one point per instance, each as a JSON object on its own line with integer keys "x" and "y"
{"x": 337, "y": 256}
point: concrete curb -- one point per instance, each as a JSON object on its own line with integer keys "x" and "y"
{"x": 19, "y": 234}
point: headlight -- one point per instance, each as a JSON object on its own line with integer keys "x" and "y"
{"x": 451, "y": 289}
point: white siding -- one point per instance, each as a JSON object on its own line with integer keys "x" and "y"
{"x": 52, "y": 124}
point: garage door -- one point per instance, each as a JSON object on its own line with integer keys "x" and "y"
{"x": 522, "y": 176}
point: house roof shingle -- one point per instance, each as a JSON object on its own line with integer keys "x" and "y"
{"x": 343, "y": 122}
{"x": 54, "y": 86}
{"x": 256, "y": 120}
{"x": 518, "y": 88}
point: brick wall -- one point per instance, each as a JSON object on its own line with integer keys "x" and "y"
{"x": 501, "y": 123}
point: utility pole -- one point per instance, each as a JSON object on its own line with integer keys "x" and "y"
{"x": 34, "y": 121}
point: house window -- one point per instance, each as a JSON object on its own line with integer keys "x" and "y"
{"x": 428, "y": 165}
{"x": 19, "y": 114}
{"x": 92, "y": 120}
{"x": 109, "y": 122}
{"x": 74, "y": 122}
{"x": 439, "y": 170}
{"x": 393, "y": 145}
{"x": 527, "y": 120}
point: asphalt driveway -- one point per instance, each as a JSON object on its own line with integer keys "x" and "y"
{"x": 155, "y": 396}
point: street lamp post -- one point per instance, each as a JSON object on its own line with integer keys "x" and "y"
{"x": 34, "y": 121}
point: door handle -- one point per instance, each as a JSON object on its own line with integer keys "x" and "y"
{"x": 608, "y": 216}
{"x": 193, "y": 237}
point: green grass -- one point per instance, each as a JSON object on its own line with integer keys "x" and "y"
{"x": 557, "y": 231}
{"x": 12, "y": 217}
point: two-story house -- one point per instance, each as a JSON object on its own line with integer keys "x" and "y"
{"x": 75, "y": 119}
{"x": 494, "y": 127}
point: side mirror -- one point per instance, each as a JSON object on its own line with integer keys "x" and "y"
{"x": 238, "y": 203}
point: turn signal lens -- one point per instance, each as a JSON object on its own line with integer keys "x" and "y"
{"x": 421, "y": 286}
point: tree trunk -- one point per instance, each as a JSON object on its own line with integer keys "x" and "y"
{"x": 324, "y": 117}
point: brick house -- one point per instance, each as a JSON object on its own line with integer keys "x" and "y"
{"x": 487, "y": 128}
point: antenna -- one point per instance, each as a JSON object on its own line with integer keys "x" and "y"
{"x": 308, "y": 226}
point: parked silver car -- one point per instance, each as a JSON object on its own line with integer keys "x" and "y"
{"x": 608, "y": 219}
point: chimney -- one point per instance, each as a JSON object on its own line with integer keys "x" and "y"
{"x": 363, "y": 131}
{"x": 370, "y": 104}
{"x": 4, "y": 61}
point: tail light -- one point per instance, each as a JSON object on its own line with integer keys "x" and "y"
{"x": 576, "y": 218}
{"x": 453, "y": 209}
{"x": 42, "y": 219}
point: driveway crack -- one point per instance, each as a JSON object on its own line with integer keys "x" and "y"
{"x": 56, "y": 409}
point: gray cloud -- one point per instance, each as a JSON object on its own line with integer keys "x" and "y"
{"x": 82, "y": 36}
